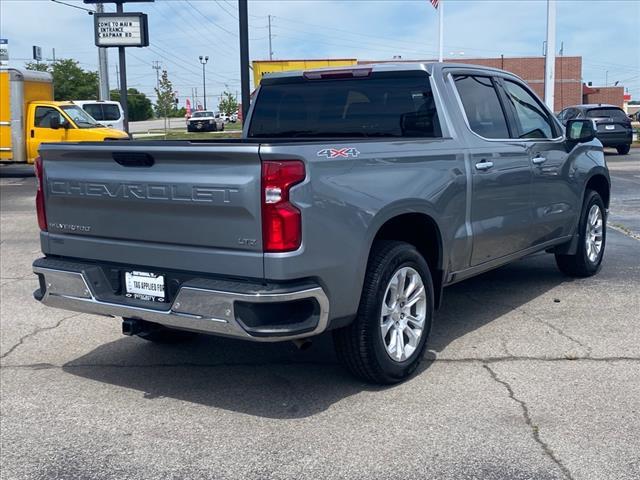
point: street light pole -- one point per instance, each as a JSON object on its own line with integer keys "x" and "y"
{"x": 203, "y": 61}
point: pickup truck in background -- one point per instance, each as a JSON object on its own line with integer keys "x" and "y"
{"x": 205, "y": 121}
{"x": 354, "y": 197}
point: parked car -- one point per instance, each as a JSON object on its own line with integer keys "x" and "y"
{"x": 612, "y": 123}
{"x": 107, "y": 112}
{"x": 205, "y": 121}
{"x": 233, "y": 118}
{"x": 354, "y": 198}
{"x": 224, "y": 117}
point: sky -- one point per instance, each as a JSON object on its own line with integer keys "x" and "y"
{"x": 604, "y": 32}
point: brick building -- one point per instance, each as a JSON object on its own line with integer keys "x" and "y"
{"x": 568, "y": 91}
{"x": 611, "y": 95}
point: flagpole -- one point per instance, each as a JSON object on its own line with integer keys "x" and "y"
{"x": 441, "y": 30}
{"x": 550, "y": 58}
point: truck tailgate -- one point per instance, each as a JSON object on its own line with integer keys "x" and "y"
{"x": 177, "y": 205}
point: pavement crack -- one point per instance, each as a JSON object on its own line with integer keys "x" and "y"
{"x": 535, "y": 431}
{"x": 34, "y": 333}
{"x": 535, "y": 317}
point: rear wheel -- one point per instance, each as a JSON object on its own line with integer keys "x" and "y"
{"x": 222, "y": 128}
{"x": 623, "y": 149}
{"x": 591, "y": 242}
{"x": 386, "y": 341}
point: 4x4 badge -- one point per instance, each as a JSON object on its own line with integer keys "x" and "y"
{"x": 338, "y": 152}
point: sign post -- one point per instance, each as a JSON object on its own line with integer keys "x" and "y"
{"x": 37, "y": 53}
{"x": 4, "y": 52}
{"x": 121, "y": 30}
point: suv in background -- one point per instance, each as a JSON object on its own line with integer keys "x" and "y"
{"x": 106, "y": 112}
{"x": 612, "y": 123}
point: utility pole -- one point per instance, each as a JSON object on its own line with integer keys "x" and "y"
{"x": 53, "y": 54}
{"x": 156, "y": 66}
{"x": 550, "y": 59}
{"x": 103, "y": 66}
{"x": 203, "y": 61}
{"x": 270, "y": 49}
{"x": 243, "y": 18}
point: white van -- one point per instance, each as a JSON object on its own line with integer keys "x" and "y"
{"x": 107, "y": 112}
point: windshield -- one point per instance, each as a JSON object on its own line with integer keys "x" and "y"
{"x": 202, "y": 114}
{"x": 81, "y": 118}
{"x": 381, "y": 105}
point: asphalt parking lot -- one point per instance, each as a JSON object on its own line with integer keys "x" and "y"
{"x": 531, "y": 375}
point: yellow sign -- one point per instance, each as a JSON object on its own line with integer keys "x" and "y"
{"x": 260, "y": 67}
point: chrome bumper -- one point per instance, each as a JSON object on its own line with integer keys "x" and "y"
{"x": 194, "y": 308}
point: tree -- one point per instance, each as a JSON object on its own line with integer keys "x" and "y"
{"x": 165, "y": 97}
{"x": 228, "y": 103}
{"x": 140, "y": 107}
{"x": 70, "y": 81}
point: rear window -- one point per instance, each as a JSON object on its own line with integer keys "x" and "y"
{"x": 94, "y": 110}
{"x": 612, "y": 113}
{"x": 376, "y": 106}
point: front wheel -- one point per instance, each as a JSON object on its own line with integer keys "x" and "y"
{"x": 591, "y": 241}
{"x": 386, "y": 341}
{"x": 623, "y": 149}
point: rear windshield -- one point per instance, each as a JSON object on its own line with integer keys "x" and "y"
{"x": 376, "y": 106}
{"x": 612, "y": 113}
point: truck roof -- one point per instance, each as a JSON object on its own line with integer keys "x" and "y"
{"x": 429, "y": 67}
{"x": 29, "y": 75}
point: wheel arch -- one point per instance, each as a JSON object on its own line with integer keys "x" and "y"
{"x": 423, "y": 232}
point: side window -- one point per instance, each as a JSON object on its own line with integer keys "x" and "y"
{"x": 564, "y": 114}
{"x": 44, "y": 115}
{"x": 94, "y": 109}
{"x": 482, "y": 106}
{"x": 533, "y": 121}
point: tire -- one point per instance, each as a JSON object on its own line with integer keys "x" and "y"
{"x": 215, "y": 127}
{"x": 361, "y": 346}
{"x": 623, "y": 149}
{"x": 222, "y": 129}
{"x": 584, "y": 263}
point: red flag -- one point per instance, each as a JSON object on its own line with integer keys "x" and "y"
{"x": 434, "y": 3}
{"x": 188, "y": 107}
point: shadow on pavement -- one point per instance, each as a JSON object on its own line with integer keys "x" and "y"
{"x": 279, "y": 381}
{"x": 16, "y": 171}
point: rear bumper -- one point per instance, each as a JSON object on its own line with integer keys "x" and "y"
{"x": 615, "y": 139}
{"x": 248, "y": 311}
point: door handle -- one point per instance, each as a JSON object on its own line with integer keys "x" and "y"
{"x": 539, "y": 160}
{"x": 484, "y": 165}
{"x": 33, "y": 133}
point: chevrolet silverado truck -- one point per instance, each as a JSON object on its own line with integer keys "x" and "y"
{"x": 353, "y": 198}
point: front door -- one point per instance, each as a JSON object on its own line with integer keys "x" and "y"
{"x": 501, "y": 173}
{"x": 40, "y": 129}
{"x": 553, "y": 208}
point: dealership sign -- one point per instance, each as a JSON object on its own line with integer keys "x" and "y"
{"x": 121, "y": 29}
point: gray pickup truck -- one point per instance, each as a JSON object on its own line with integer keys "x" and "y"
{"x": 353, "y": 198}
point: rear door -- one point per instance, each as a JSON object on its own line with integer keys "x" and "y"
{"x": 501, "y": 173}
{"x": 170, "y": 205}
{"x": 553, "y": 201}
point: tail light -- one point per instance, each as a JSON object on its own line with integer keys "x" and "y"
{"x": 281, "y": 221}
{"x": 42, "y": 215}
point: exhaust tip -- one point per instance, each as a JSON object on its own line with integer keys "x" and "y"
{"x": 131, "y": 327}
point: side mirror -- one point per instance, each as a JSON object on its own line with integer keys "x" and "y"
{"x": 581, "y": 131}
{"x": 54, "y": 122}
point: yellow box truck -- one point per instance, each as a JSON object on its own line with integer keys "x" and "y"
{"x": 29, "y": 116}
{"x": 260, "y": 67}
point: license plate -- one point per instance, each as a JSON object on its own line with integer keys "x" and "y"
{"x": 145, "y": 286}
{"x": 610, "y": 127}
